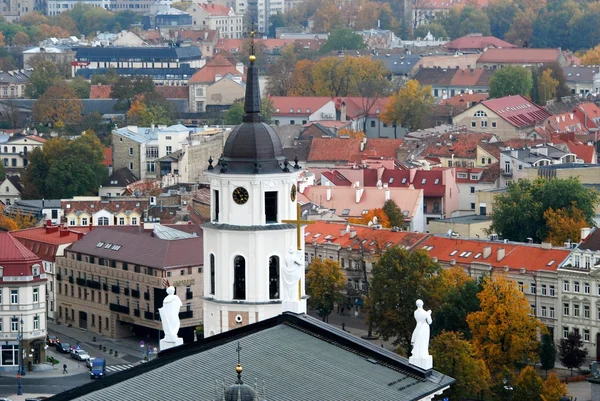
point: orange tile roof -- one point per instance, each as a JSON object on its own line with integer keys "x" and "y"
{"x": 230, "y": 45}
{"x": 355, "y": 106}
{"x": 333, "y": 149}
{"x": 477, "y": 42}
{"x": 516, "y": 256}
{"x": 335, "y": 233}
{"x": 289, "y": 105}
{"x": 173, "y": 92}
{"x": 215, "y": 10}
{"x": 107, "y": 157}
{"x": 100, "y": 92}
{"x": 218, "y": 65}
{"x": 519, "y": 56}
{"x": 461, "y": 145}
{"x": 47, "y": 235}
{"x": 566, "y": 122}
{"x": 382, "y": 147}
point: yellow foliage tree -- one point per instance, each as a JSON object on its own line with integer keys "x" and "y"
{"x": 504, "y": 331}
{"x": 327, "y": 17}
{"x": 591, "y": 57}
{"x": 409, "y": 106}
{"x": 528, "y": 385}
{"x": 2, "y": 40}
{"x": 324, "y": 284}
{"x": 302, "y": 79}
{"x": 382, "y": 218}
{"x": 553, "y": 388}
{"x": 351, "y": 133}
{"x": 6, "y": 222}
{"x": 547, "y": 86}
{"x": 564, "y": 225}
{"x": 58, "y": 103}
{"x": 451, "y": 279}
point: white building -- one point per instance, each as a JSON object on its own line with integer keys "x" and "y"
{"x": 23, "y": 296}
{"x": 10, "y": 190}
{"x": 253, "y": 193}
{"x": 56, "y": 7}
{"x": 15, "y": 151}
{"x": 298, "y": 110}
{"x": 218, "y": 17}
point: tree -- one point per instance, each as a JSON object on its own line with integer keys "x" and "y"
{"x": 547, "y": 353}
{"x": 6, "y": 222}
{"x": 2, "y": 41}
{"x": 394, "y": 214}
{"x": 521, "y": 29}
{"x": 519, "y": 213}
{"x": 81, "y": 87}
{"x": 21, "y": 39}
{"x": 302, "y": 79}
{"x": 457, "y": 298}
{"x": 234, "y": 115}
{"x": 564, "y": 225}
{"x": 327, "y": 17}
{"x": 591, "y": 57}
{"x": 11, "y": 113}
{"x": 409, "y": 106}
{"x": 571, "y": 351}
{"x": 553, "y": 388}
{"x": 399, "y": 278}
{"x": 125, "y": 90}
{"x": 280, "y": 73}
{"x": 324, "y": 283}
{"x": 2, "y": 172}
{"x": 59, "y": 104}
{"x": 528, "y": 386}
{"x": 501, "y": 13}
{"x": 343, "y": 39}
{"x": 372, "y": 216}
{"x": 372, "y": 88}
{"x": 144, "y": 113}
{"x": 350, "y": 133}
{"x": 435, "y": 28}
{"x": 456, "y": 357}
{"x": 504, "y": 332}
{"x": 34, "y": 177}
{"x": 562, "y": 89}
{"x": 546, "y": 87}
{"x": 510, "y": 81}
{"x": 43, "y": 77}
{"x": 108, "y": 78}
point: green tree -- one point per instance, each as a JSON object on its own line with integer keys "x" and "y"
{"x": 43, "y": 77}
{"x": 547, "y": 353}
{"x": 528, "y": 386}
{"x": 324, "y": 284}
{"x": 343, "y": 39}
{"x": 571, "y": 351}
{"x": 511, "y": 80}
{"x": 234, "y": 115}
{"x": 400, "y": 277}
{"x": 108, "y": 78}
{"x": 501, "y": 14}
{"x": 280, "y": 73}
{"x": 125, "y": 90}
{"x": 435, "y": 28}
{"x": 455, "y": 306}
{"x": 519, "y": 213}
{"x": 394, "y": 213}
{"x": 2, "y": 172}
{"x": 409, "y": 106}
{"x": 81, "y": 87}
{"x": 562, "y": 89}
{"x": 456, "y": 357}
{"x": 34, "y": 177}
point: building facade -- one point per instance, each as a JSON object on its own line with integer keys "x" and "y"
{"x": 13, "y": 83}
{"x": 112, "y": 281}
{"x": 15, "y": 151}
{"x": 23, "y": 312}
{"x": 95, "y": 211}
{"x": 224, "y": 19}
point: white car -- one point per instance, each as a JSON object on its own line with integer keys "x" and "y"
{"x": 80, "y": 355}
{"x": 89, "y": 361}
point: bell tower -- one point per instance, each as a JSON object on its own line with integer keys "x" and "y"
{"x": 254, "y": 258}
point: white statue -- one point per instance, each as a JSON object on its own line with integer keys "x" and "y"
{"x": 420, "y": 338}
{"x": 293, "y": 270}
{"x": 169, "y": 315}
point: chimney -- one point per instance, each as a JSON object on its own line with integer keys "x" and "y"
{"x": 585, "y": 232}
{"x": 91, "y": 226}
{"x": 343, "y": 111}
{"x": 352, "y": 233}
{"x": 328, "y": 193}
{"x": 546, "y": 245}
{"x": 51, "y": 229}
{"x": 64, "y": 232}
{"x": 487, "y": 251}
{"x": 359, "y": 192}
{"x": 501, "y": 253}
{"x": 79, "y": 236}
{"x": 48, "y": 223}
{"x": 387, "y": 194}
{"x": 205, "y": 35}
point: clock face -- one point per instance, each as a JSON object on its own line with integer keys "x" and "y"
{"x": 293, "y": 193}
{"x": 240, "y": 195}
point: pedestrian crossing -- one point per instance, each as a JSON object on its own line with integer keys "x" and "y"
{"x": 119, "y": 368}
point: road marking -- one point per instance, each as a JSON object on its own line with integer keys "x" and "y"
{"x": 119, "y": 368}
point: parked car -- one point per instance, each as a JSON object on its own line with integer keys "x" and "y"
{"x": 65, "y": 348}
{"x": 80, "y": 355}
{"x": 52, "y": 340}
{"x": 89, "y": 362}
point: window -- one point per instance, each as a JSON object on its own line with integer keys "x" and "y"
{"x": 36, "y": 295}
{"x": 84, "y": 221}
{"x": 587, "y": 262}
{"x": 544, "y": 311}
{"x": 169, "y": 150}
{"x": 239, "y": 277}
{"x": 576, "y": 310}
{"x": 576, "y": 286}
{"x": 212, "y": 274}
{"x": 134, "y": 221}
{"x": 36, "y": 322}
{"x": 292, "y": 122}
{"x": 483, "y": 124}
{"x": 566, "y": 309}
{"x": 552, "y": 292}
{"x": 565, "y": 332}
{"x": 532, "y": 288}
{"x": 14, "y": 324}
{"x": 586, "y": 335}
{"x": 121, "y": 221}
{"x": 130, "y": 151}
{"x": 576, "y": 262}
{"x": 103, "y": 221}
{"x": 552, "y": 312}
{"x": 130, "y": 165}
{"x": 472, "y": 206}
{"x": 372, "y": 123}
{"x": 566, "y": 285}
{"x": 494, "y": 124}
{"x": 586, "y": 311}
{"x": 473, "y": 124}
{"x": 472, "y": 190}
{"x": 586, "y": 288}
{"x": 14, "y": 296}
{"x": 271, "y": 207}
{"x": 274, "y": 278}
{"x": 544, "y": 289}
{"x": 216, "y": 205}
{"x": 480, "y": 113}
{"x": 521, "y": 286}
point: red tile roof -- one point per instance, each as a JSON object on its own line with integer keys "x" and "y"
{"x": 465, "y": 98}
{"x": 15, "y": 259}
{"x": 218, "y": 65}
{"x": 289, "y": 105}
{"x": 586, "y": 153}
{"x": 382, "y": 147}
{"x": 431, "y": 182}
{"x": 36, "y": 138}
{"x": 100, "y": 92}
{"x": 107, "y": 157}
{"x": 45, "y": 241}
{"x": 333, "y": 149}
{"x": 173, "y": 92}
{"x": 209, "y": 35}
{"x": 477, "y": 42}
{"x": 467, "y": 77}
{"x": 566, "y": 122}
{"x": 517, "y": 110}
{"x": 355, "y": 106}
{"x": 589, "y": 114}
{"x": 337, "y": 178}
{"x": 395, "y": 178}
{"x": 458, "y": 144}
{"x": 519, "y": 56}
{"x": 215, "y": 10}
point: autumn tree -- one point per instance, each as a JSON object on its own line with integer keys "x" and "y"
{"x": 455, "y": 356}
{"x": 510, "y": 81}
{"x": 280, "y": 73}
{"x": 546, "y": 87}
{"x": 571, "y": 351}
{"x": 145, "y": 113}
{"x": 409, "y": 106}
{"x": 58, "y": 105}
{"x": 324, "y": 284}
{"x": 372, "y": 88}
{"x": 553, "y": 388}
{"x": 528, "y": 386}
{"x": 350, "y": 133}
{"x": 521, "y": 29}
{"x": 373, "y": 216}
{"x": 400, "y": 277}
{"x": 302, "y": 79}
{"x": 2, "y": 40}
{"x": 125, "y": 90}
{"x": 43, "y": 77}
{"x": 547, "y": 353}
{"x": 21, "y": 39}
{"x": 394, "y": 214}
{"x": 6, "y": 223}
{"x": 564, "y": 225}
{"x": 591, "y": 57}
{"x": 503, "y": 331}
{"x": 327, "y": 17}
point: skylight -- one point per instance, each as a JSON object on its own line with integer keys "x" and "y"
{"x": 116, "y": 247}
{"x": 345, "y": 212}
{"x": 307, "y": 234}
{"x": 317, "y": 235}
{"x": 107, "y": 246}
{"x": 551, "y": 263}
{"x": 328, "y": 236}
{"x": 437, "y": 181}
{"x": 453, "y": 253}
{"x": 462, "y": 254}
{"x": 100, "y": 245}
{"x": 477, "y": 256}
{"x": 424, "y": 181}
{"x": 468, "y": 254}
{"x": 404, "y": 180}
{"x": 391, "y": 180}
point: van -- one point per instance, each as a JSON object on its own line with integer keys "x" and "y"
{"x": 98, "y": 369}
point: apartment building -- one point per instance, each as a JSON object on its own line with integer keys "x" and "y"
{"x": 95, "y": 211}
{"x": 15, "y": 151}
{"x": 112, "y": 281}
{"x": 224, "y": 19}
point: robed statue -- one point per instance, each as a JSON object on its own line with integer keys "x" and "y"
{"x": 169, "y": 315}
{"x": 420, "y": 338}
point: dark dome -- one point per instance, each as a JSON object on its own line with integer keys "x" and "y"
{"x": 253, "y": 146}
{"x": 240, "y": 392}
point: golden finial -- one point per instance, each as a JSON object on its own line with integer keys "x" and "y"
{"x": 252, "y": 57}
{"x": 238, "y": 369}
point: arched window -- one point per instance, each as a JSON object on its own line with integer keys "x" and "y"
{"x": 103, "y": 221}
{"x": 480, "y": 113}
{"x": 483, "y": 160}
{"x": 14, "y": 149}
{"x": 239, "y": 277}
{"x": 212, "y": 274}
{"x": 6, "y": 149}
{"x": 489, "y": 160}
{"x": 274, "y": 277}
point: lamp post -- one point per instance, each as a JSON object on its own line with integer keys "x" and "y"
{"x": 21, "y": 350}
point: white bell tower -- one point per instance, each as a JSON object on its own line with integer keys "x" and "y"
{"x": 253, "y": 252}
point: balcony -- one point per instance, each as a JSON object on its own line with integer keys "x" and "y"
{"x": 136, "y": 312}
{"x": 115, "y": 288}
{"x": 59, "y": 277}
{"x": 80, "y": 281}
{"x": 186, "y": 315}
{"x": 507, "y": 173}
{"x": 119, "y": 308}
{"x": 135, "y": 293}
{"x": 71, "y": 279}
{"x": 125, "y": 291}
{"x": 149, "y": 315}
{"x": 105, "y": 287}
{"x": 147, "y": 296}
{"x": 189, "y": 295}
{"x": 93, "y": 284}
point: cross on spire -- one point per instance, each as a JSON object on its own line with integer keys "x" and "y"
{"x": 252, "y": 99}
{"x": 238, "y": 368}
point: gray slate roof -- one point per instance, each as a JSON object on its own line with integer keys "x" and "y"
{"x": 583, "y": 74}
{"x": 15, "y": 77}
{"x": 399, "y": 64}
{"x": 297, "y": 357}
{"x": 183, "y": 54}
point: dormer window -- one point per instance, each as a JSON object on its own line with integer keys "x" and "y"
{"x": 1, "y": 271}
{"x": 307, "y": 111}
{"x": 35, "y": 270}
{"x": 299, "y": 110}
{"x": 291, "y": 111}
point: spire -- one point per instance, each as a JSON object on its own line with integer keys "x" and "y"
{"x": 238, "y": 367}
{"x": 252, "y": 100}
